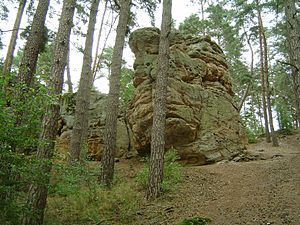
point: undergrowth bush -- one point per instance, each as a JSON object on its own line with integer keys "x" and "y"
{"x": 77, "y": 198}
{"x": 172, "y": 172}
{"x": 252, "y": 136}
{"x": 20, "y": 120}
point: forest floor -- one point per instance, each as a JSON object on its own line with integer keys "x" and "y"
{"x": 261, "y": 188}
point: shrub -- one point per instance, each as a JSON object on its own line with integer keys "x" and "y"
{"x": 172, "y": 172}
{"x": 19, "y": 131}
{"x": 77, "y": 198}
{"x": 252, "y": 137}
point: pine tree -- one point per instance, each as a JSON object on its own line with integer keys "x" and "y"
{"x": 293, "y": 44}
{"x": 112, "y": 108}
{"x": 80, "y": 127}
{"x": 37, "y": 195}
{"x": 262, "y": 73}
{"x": 159, "y": 104}
{"x": 13, "y": 40}
{"x": 34, "y": 44}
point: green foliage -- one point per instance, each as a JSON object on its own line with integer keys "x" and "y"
{"x": 20, "y": 120}
{"x": 172, "y": 172}
{"x": 17, "y": 172}
{"x": 252, "y": 136}
{"x": 285, "y": 97}
{"x": 193, "y": 25}
{"x": 12, "y": 168}
{"x": 3, "y": 12}
{"x": 77, "y": 198}
{"x": 195, "y": 221}
{"x": 127, "y": 88}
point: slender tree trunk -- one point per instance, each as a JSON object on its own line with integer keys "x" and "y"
{"x": 80, "y": 128}
{"x": 112, "y": 108}
{"x": 260, "y": 113}
{"x": 159, "y": 106}
{"x": 251, "y": 73}
{"x": 262, "y": 76}
{"x": 268, "y": 93}
{"x": 37, "y": 196}
{"x": 69, "y": 80}
{"x": 293, "y": 40}
{"x": 97, "y": 68}
{"x": 13, "y": 40}
{"x": 202, "y": 2}
{"x": 34, "y": 44}
{"x": 265, "y": 75}
{"x": 98, "y": 39}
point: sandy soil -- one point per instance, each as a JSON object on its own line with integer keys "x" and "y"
{"x": 264, "y": 190}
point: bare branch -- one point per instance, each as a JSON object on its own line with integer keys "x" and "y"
{"x": 289, "y": 64}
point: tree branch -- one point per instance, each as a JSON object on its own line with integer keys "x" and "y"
{"x": 289, "y": 64}
{"x": 4, "y": 31}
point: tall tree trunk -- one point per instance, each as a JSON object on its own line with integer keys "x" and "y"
{"x": 80, "y": 128}
{"x": 98, "y": 62}
{"x": 268, "y": 93}
{"x": 202, "y": 2}
{"x": 262, "y": 75}
{"x": 293, "y": 40}
{"x": 13, "y": 40}
{"x": 69, "y": 80}
{"x": 37, "y": 196}
{"x": 34, "y": 44}
{"x": 112, "y": 108}
{"x": 98, "y": 40}
{"x": 159, "y": 105}
{"x": 260, "y": 114}
{"x": 251, "y": 72}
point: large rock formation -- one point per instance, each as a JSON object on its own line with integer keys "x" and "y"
{"x": 96, "y": 115}
{"x": 203, "y": 123}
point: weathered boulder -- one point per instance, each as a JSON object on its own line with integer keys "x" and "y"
{"x": 96, "y": 115}
{"x": 203, "y": 123}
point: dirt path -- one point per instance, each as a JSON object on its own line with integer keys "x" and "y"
{"x": 260, "y": 192}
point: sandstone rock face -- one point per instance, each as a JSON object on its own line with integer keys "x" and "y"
{"x": 96, "y": 127}
{"x": 203, "y": 123}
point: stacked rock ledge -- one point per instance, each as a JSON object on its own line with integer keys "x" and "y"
{"x": 202, "y": 122}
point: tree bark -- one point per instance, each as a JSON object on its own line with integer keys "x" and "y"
{"x": 80, "y": 128}
{"x": 37, "y": 196}
{"x": 251, "y": 72}
{"x": 262, "y": 75}
{"x": 69, "y": 80}
{"x": 13, "y": 40}
{"x": 34, "y": 44}
{"x": 159, "y": 104}
{"x": 98, "y": 62}
{"x": 112, "y": 108}
{"x": 268, "y": 93}
{"x": 293, "y": 42}
{"x": 98, "y": 40}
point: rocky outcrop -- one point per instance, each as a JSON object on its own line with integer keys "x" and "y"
{"x": 96, "y": 117}
{"x": 203, "y": 123}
